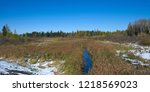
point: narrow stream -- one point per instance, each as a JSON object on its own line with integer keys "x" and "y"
{"x": 87, "y": 62}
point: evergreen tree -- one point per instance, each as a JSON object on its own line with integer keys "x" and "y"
{"x": 138, "y": 27}
{"x": 5, "y": 30}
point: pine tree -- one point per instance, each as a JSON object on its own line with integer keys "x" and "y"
{"x": 5, "y": 30}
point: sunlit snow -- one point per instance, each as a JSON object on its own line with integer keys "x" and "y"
{"x": 31, "y": 69}
{"x": 137, "y": 50}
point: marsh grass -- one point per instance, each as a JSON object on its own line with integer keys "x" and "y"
{"x": 144, "y": 39}
{"x": 105, "y": 60}
{"x": 70, "y": 50}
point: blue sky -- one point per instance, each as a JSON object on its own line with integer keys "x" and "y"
{"x": 70, "y": 15}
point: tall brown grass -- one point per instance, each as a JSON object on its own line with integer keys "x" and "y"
{"x": 70, "y": 50}
{"x": 144, "y": 39}
{"x": 57, "y": 49}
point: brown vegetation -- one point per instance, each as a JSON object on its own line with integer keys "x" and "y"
{"x": 70, "y": 50}
{"x": 144, "y": 39}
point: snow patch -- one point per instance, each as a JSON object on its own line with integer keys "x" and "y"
{"x": 145, "y": 56}
{"x": 33, "y": 69}
{"x": 5, "y": 67}
{"x": 137, "y": 50}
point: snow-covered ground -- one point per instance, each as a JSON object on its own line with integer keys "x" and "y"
{"x": 7, "y": 67}
{"x": 142, "y": 52}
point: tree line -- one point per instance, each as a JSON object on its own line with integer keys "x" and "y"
{"x": 6, "y": 35}
{"x": 78, "y": 33}
{"x": 133, "y": 29}
{"x": 138, "y": 27}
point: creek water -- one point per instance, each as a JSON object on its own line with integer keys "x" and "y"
{"x": 87, "y": 62}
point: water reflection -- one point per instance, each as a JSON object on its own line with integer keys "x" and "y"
{"x": 87, "y": 62}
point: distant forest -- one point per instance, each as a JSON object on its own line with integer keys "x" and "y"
{"x": 133, "y": 29}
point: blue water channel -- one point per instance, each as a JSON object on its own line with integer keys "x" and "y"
{"x": 87, "y": 62}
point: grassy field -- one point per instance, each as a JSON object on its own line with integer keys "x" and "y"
{"x": 70, "y": 50}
